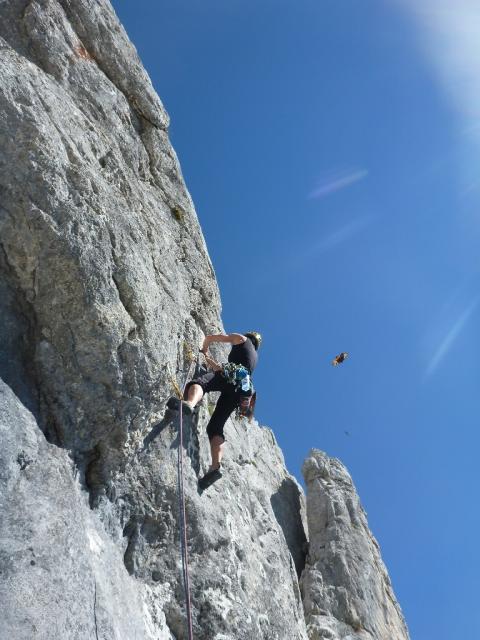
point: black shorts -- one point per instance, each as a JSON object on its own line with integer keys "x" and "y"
{"x": 226, "y": 405}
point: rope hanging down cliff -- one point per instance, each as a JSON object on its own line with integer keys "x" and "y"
{"x": 183, "y": 515}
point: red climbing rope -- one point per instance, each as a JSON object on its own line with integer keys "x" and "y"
{"x": 183, "y": 514}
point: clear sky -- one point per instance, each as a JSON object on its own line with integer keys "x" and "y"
{"x": 332, "y": 150}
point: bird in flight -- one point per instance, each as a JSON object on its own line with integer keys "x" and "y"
{"x": 340, "y": 358}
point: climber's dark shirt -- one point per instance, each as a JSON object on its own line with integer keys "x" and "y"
{"x": 244, "y": 354}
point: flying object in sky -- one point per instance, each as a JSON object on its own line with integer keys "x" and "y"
{"x": 340, "y": 358}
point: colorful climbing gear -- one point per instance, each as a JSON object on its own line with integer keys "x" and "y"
{"x": 238, "y": 375}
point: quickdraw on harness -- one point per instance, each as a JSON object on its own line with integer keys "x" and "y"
{"x": 239, "y": 376}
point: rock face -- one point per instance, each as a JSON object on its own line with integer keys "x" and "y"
{"x": 105, "y": 284}
{"x": 346, "y": 589}
{"x": 61, "y": 574}
{"x": 102, "y": 256}
{"x": 65, "y": 574}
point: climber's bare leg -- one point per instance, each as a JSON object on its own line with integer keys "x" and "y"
{"x": 216, "y": 449}
{"x": 194, "y": 395}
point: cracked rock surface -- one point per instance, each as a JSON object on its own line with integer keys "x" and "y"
{"x": 102, "y": 258}
{"x": 61, "y": 574}
{"x": 105, "y": 281}
{"x": 105, "y": 285}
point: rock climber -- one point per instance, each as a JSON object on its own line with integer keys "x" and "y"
{"x": 233, "y": 380}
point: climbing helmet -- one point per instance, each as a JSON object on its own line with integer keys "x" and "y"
{"x": 255, "y": 337}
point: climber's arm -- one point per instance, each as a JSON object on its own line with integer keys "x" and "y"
{"x": 212, "y": 364}
{"x": 232, "y": 338}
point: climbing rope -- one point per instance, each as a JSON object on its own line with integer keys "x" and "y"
{"x": 183, "y": 514}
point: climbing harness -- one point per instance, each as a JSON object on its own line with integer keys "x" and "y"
{"x": 238, "y": 375}
{"x": 183, "y": 515}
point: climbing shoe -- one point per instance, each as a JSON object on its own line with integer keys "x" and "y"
{"x": 187, "y": 408}
{"x": 173, "y": 404}
{"x": 209, "y": 478}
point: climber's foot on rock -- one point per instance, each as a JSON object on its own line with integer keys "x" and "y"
{"x": 187, "y": 408}
{"x": 174, "y": 405}
{"x": 212, "y": 475}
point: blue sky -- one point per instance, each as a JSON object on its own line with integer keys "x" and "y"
{"x": 332, "y": 151}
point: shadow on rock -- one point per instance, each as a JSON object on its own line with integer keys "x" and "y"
{"x": 190, "y": 436}
{"x": 157, "y": 430}
{"x": 286, "y": 506}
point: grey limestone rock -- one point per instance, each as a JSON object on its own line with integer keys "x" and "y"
{"x": 245, "y": 531}
{"x": 65, "y": 570}
{"x": 61, "y": 574}
{"x": 347, "y": 592}
{"x": 105, "y": 280}
{"x": 103, "y": 263}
